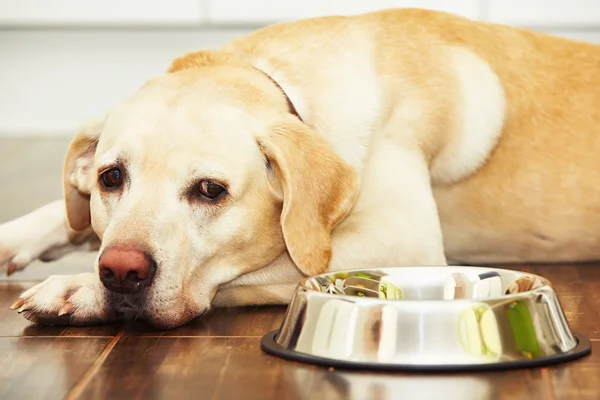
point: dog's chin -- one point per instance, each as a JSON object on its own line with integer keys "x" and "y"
{"x": 159, "y": 313}
{"x": 170, "y": 319}
{"x": 124, "y": 307}
{"x": 127, "y": 310}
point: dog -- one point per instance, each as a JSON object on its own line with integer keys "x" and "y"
{"x": 391, "y": 138}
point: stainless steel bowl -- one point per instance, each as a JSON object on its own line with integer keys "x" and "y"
{"x": 426, "y": 319}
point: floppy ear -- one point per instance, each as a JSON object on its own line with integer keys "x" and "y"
{"x": 79, "y": 176}
{"x": 319, "y": 189}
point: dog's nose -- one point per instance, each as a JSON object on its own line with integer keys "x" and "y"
{"x": 126, "y": 269}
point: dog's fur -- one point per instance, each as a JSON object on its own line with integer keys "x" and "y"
{"x": 421, "y": 138}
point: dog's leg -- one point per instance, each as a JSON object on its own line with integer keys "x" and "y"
{"x": 395, "y": 220}
{"x": 270, "y": 285}
{"x": 60, "y": 299}
{"x": 254, "y": 295}
{"x": 44, "y": 234}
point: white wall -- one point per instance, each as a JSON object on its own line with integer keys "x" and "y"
{"x": 64, "y": 60}
{"x": 52, "y": 79}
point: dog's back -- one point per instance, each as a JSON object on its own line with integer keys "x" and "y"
{"x": 528, "y": 191}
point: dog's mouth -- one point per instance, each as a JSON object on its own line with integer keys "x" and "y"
{"x": 127, "y": 311}
{"x": 123, "y": 307}
{"x": 139, "y": 307}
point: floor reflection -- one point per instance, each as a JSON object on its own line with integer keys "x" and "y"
{"x": 315, "y": 383}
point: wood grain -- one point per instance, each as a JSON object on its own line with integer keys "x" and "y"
{"x": 235, "y": 368}
{"x": 179, "y": 368}
{"x": 231, "y": 322}
{"x": 45, "y": 368}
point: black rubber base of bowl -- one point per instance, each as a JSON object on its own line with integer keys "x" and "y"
{"x": 269, "y": 346}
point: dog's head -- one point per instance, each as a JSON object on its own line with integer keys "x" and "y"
{"x": 203, "y": 175}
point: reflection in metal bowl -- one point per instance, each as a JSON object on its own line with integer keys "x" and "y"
{"x": 426, "y": 318}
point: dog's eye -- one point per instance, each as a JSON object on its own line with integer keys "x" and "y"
{"x": 112, "y": 178}
{"x": 210, "y": 189}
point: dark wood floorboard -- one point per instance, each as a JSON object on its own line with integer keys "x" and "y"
{"x": 213, "y": 368}
{"x": 235, "y": 368}
{"x": 233, "y": 322}
{"x": 45, "y": 367}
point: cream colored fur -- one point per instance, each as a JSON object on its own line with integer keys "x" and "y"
{"x": 425, "y": 138}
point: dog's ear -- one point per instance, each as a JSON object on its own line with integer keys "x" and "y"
{"x": 204, "y": 58}
{"x": 79, "y": 176}
{"x": 319, "y": 189}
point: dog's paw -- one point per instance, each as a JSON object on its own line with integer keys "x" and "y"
{"x": 64, "y": 300}
{"x": 15, "y": 250}
{"x": 25, "y": 239}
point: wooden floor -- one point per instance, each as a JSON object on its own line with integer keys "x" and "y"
{"x": 219, "y": 357}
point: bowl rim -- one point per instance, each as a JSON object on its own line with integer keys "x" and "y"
{"x": 270, "y": 346}
{"x": 547, "y": 285}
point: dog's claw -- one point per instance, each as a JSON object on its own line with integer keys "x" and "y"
{"x": 66, "y": 309}
{"x": 62, "y": 299}
{"x": 11, "y": 270}
{"x": 17, "y": 304}
{"x": 23, "y": 308}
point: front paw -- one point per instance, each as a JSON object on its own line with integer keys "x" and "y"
{"x": 64, "y": 300}
{"x": 12, "y": 261}
{"x": 22, "y": 240}
{"x": 41, "y": 233}
{"x": 15, "y": 251}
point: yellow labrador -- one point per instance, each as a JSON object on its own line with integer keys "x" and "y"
{"x": 385, "y": 139}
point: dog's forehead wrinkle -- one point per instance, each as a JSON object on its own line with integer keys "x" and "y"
{"x": 210, "y": 125}
{"x": 109, "y": 156}
{"x": 173, "y": 114}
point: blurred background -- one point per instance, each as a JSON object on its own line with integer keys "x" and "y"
{"x": 62, "y": 61}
